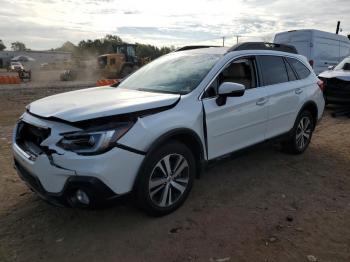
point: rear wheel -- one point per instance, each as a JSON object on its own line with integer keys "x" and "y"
{"x": 301, "y": 134}
{"x": 166, "y": 179}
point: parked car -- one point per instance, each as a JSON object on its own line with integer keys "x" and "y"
{"x": 337, "y": 83}
{"x": 15, "y": 67}
{"x": 322, "y": 49}
{"x": 151, "y": 134}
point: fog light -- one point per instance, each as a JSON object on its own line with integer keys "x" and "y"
{"x": 82, "y": 197}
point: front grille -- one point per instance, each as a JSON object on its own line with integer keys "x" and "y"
{"x": 30, "y": 137}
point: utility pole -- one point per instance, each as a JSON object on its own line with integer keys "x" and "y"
{"x": 338, "y": 27}
{"x": 223, "y": 41}
{"x": 237, "y": 38}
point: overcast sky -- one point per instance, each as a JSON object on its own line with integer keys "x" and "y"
{"x": 45, "y": 24}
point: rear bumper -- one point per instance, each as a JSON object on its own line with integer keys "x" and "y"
{"x": 99, "y": 194}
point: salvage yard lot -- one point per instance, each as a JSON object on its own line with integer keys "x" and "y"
{"x": 237, "y": 211}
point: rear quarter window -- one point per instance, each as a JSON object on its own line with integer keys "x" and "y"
{"x": 301, "y": 70}
{"x": 273, "y": 70}
{"x": 291, "y": 74}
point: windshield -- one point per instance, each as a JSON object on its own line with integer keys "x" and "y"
{"x": 177, "y": 73}
{"x": 343, "y": 65}
{"x": 15, "y": 63}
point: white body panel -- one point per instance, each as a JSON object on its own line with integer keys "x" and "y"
{"x": 324, "y": 48}
{"x": 98, "y": 102}
{"x": 241, "y": 122}
{"x": 340, "y": 74}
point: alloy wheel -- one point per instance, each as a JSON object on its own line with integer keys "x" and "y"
{"x": 303, "y": 133}
{"x": 169, "y": 180}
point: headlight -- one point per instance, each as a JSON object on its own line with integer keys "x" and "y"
{"x": 94, "y": 141}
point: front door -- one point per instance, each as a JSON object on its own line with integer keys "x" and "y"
{"x": 241, "y": 122}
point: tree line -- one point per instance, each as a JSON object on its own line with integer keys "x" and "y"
{"x": 107, "y": 45}
{"x": 95, "y": 47}
{"x": 15, "y": 46}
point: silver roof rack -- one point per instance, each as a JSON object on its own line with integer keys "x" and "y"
{"x": 191, "y": 47}
{"x": 264, "y": 46}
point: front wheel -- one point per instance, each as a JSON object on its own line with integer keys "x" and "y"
{"x": 166, "y": 179}
{"x": 301, "y": 134}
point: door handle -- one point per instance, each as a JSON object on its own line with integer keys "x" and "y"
{"x": 262, "y": 101}
{"x": 298, "y": 91}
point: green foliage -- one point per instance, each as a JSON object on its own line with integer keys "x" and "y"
{"x": 67, "y": 47}
{"x": 98, "y": 46}
{"x": 18, "y": 46}
{"x": 105, "y": 45}
{"x": 2, "y": 45}
{"x": 151, "y": 51}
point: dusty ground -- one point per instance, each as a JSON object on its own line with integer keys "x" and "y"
{"x": 236, "y": 212}
{"x": 44, "y": 78}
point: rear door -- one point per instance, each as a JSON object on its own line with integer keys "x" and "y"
{"x": 300, "y": 39}
{"x": 344, "y": 50}
{"x": 241, "y": 122}
{"x": 302, "y": 46}
{"x": 283, "y": 93}
{"x": 326, "y": 53}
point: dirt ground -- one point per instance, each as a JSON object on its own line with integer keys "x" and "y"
{"x": 262, "y": 206}
{"x": 44, "y": 78}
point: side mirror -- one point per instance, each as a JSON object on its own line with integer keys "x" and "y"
{"x": 331, "y": 67}
{"x": 229, "y": 89}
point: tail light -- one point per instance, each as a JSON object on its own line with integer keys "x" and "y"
{"x": 311, "y": 62}
{"x": 321, "y": 84}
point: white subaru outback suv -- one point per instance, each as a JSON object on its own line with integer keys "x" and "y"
{"x": 152, "y": 133}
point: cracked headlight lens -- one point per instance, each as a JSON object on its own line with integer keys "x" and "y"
{"x": 95, "y": 140}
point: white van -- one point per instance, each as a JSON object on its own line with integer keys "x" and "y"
{"x": 322, "y": 49}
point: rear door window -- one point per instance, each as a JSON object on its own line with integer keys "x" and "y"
{"x": 302, "y": 71}
{"x": 273, "y": 70}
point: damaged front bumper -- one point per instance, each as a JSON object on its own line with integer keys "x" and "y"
{"x": 59, "y": 177}
{"x": 99, "y": 193}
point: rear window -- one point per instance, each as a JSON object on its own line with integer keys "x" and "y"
{"x": 300, "y": 68}
{"x": 273, "y": 70}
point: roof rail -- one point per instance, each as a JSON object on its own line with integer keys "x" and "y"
{"x": 191, "y": 47}
{"x": 263, "y": 46}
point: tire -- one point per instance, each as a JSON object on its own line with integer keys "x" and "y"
{"x": 301, "y": 134}
{"x": 161, "y": 190}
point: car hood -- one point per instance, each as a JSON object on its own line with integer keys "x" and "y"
{"x": 99, "y": 102}
{"x": 340, "y": 74}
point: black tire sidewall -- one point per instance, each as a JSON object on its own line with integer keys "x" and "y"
{"x": 143, "y": 198}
